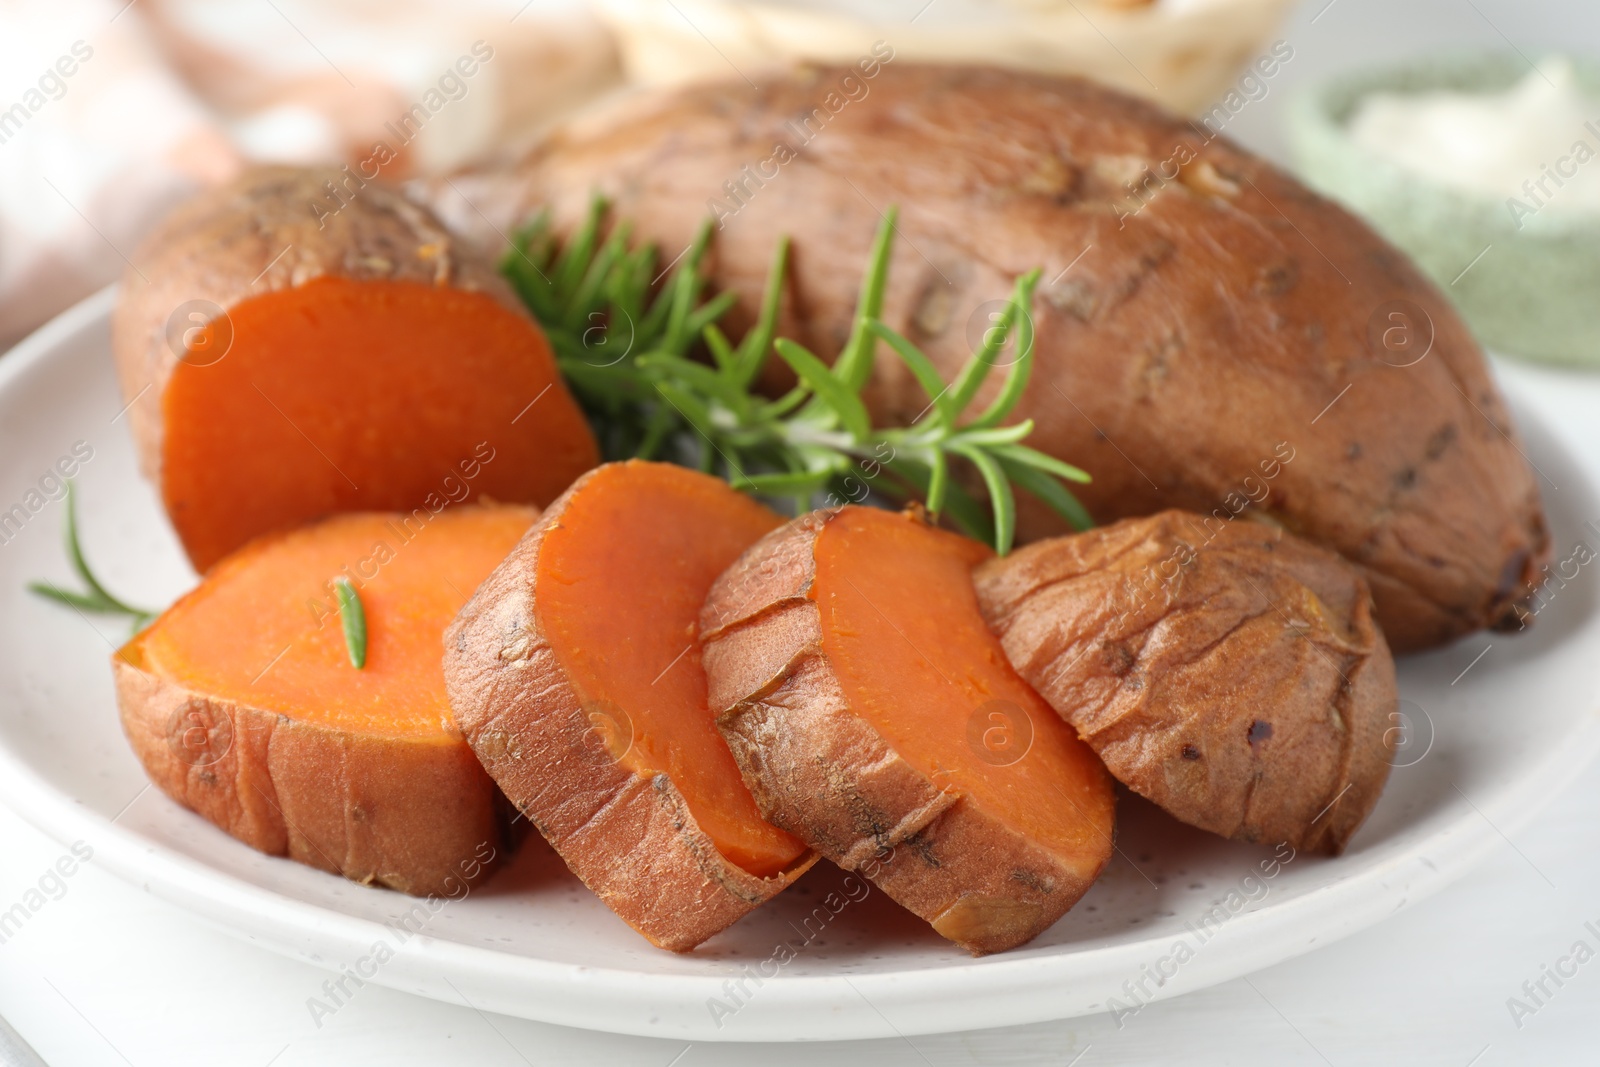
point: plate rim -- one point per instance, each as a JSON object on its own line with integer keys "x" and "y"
{"x": 1000, "y": 990}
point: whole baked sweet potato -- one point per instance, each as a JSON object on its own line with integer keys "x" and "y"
{"x": 1211, "y": 335}
{"x": 1236, "y": 679}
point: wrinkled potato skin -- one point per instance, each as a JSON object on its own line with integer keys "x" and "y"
{"x": 1180, "y": 343}
{"x": 1230, "y": 673}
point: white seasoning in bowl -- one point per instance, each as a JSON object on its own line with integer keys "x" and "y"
{"x": 1535, "y": 144}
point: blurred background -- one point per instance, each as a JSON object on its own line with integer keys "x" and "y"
{"x": 111, "y": 111}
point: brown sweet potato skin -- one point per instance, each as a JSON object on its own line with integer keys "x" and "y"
{"x": 1194, "y": 335}
{"x": 1234, "y": 675}
{"x": 827, "y": 776}
{"x": 415, "y": 815}
{"x": 629, "y": 838}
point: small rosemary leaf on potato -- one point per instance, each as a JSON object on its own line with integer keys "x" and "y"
{"x": 353, "y": 618}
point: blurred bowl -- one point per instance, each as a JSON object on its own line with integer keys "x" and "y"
{"x": 1532, "y": 293}
{"x": 1182, "y": 54}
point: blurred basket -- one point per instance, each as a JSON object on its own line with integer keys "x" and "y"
{"x": 1183, "y": 54}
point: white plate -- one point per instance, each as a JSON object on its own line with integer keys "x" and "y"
{"x": 1507, "y": 735}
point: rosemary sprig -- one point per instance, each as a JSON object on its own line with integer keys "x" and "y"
{"x": 353, "y": 619}
{"x": 626, "y": 349}
{"x": 598, "y": 304}
{"x": 95, "y": 600}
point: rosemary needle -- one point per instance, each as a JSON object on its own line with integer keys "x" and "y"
{"x": 95, "y": 600}
{"x": 353, "y": 618}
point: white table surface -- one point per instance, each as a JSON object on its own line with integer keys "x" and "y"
{"x": 108, "y": 974}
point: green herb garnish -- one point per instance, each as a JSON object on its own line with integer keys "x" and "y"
{"x": 353, "y": 618}
{"x": 96, "y": 600}
{"x": 599, "y": 306}
{"x": 625, "y": 348}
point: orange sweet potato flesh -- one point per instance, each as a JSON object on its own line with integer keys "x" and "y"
{"x": 623, "y": 625}
{"x": 279, "y": 366}
{"x": 874, "y": 715}
{"x": 902, "y": 629}
{"x": 242, "y": 703}
{"x": 342, "y": 395}
{"x": 576, "y": 675}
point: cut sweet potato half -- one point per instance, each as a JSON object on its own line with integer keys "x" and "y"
{"x": 874, "y": 715}
{"x": 280, "y": 367}
{"x": 242, "y": 702}
{"x": 1230, "y": 672}
{"x": 576, "y": 674}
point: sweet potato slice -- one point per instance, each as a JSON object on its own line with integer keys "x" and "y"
{"x": 576, "y": 674}
{"x": 242, "y": 703}
{"x": 1230, "y": 672}
{"x": 280, "y": 367}
{"x": 875, "y": 716}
